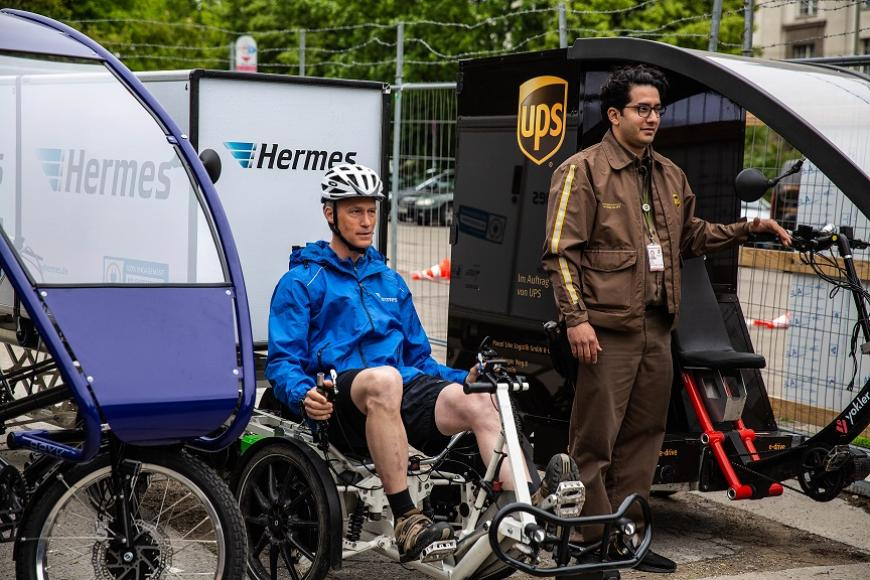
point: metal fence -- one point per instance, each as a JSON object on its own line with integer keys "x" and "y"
{"x": 422, "y": 199}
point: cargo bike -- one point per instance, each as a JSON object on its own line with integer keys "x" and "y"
{"x": 125, "y": 323}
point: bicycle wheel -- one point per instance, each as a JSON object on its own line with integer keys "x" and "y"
{"x": 287, "y": 515}
{"x": 184, "y": 523}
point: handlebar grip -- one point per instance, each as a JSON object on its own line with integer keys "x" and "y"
{"x": 469, "y": 388}
{"x": 327, "y": 392}
{"x": 515, "y": 386}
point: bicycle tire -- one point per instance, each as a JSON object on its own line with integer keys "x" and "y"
{"x": 301, "y": 508}
{"x": 211, "y": 535}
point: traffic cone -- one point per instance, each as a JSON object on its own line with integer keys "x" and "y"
{"x": 439, "y": 270}
{"x": 782, "y": 321}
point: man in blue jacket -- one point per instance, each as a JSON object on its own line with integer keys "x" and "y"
{"x": 340, "y": 307}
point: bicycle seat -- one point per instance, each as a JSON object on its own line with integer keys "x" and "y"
{"x": 701, "y": 339}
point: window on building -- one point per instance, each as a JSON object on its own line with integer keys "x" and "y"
{"x": 807, "y": 7}
{"x": 803, "y": 50}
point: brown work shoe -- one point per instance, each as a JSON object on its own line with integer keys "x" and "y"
{"x": 415, "y": 532}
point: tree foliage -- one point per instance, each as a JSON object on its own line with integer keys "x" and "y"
{"x": 357, "y": 39}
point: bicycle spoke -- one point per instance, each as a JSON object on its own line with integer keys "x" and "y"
{"x": 258, "y": 495}
{"x": 295, "y": 501}
{"x": 261, "y": 543}
{"x": 273, "y": 563}
{"x": 272, "y": 483}
{"x": 301, "y": 548}
{"x": 162, "y": 503}
{"x": 288, "y": 561}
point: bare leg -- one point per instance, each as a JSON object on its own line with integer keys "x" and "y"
{"x": 456, "y": 412}
{"x": 377, "y": 392}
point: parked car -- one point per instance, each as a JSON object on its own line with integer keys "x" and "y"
{"x": 430, "y": 201}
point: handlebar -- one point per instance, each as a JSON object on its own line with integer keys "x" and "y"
{"x": 493, "y": 373}
{"x": 809, "y": 239}
{"x": 515, "y": 385}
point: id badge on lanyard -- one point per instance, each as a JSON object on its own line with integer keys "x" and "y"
{"x": 655, "y": 258}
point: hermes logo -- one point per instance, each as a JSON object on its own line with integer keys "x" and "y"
{"x": 541, "y": 117}
{"x": 607, "y": 205}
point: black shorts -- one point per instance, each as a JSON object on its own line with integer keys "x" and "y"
{"x": 347, "y": 426}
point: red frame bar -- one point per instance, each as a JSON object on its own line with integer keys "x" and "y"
{"x": 737, "y": 489}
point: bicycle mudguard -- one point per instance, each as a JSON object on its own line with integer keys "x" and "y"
{"x": 586, "y": 558}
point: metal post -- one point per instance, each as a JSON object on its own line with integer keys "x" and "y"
{"x": 301, "y": 52}
{"x": 856, "y": 49}
{"x": 563, "y": 27}
{"x": 397, "y": 135}
{"x": 714, "y": 26}
{"x": 232, "y": 56}
{"x": 747, "y": 27}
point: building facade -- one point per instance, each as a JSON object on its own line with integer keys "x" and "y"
{"x": 811, "y": 28}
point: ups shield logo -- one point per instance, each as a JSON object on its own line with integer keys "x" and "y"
{"x": 541, "y": 117}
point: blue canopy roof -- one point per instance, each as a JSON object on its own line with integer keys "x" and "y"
{"x": 24, "y": 35}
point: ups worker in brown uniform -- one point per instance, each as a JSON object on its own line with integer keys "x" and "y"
{"x": 620, "y": 217}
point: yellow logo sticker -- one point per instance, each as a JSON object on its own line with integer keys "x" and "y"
{"x": 541, "y": 117}
{"x": 677, "y": 201}
{"x": 608, "y": 205}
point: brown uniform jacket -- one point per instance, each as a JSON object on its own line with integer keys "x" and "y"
{"x": 595, "y": 249}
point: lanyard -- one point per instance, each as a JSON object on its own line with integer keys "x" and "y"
{"x": 646, "y": 206}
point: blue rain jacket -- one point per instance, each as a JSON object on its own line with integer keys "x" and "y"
{"x": 328, "y": 313}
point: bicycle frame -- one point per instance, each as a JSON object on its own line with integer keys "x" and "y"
{"x": 515, "y": 523}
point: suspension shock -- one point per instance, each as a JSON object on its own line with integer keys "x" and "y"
{"x": 355, "y": 522}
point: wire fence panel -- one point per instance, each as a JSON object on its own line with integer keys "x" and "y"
{"x": 425, "y": 200}
{"x": 800, "y": 323}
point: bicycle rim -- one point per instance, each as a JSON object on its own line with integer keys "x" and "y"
{"x": 177, "y": 532}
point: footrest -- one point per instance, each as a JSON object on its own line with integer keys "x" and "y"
{"x": 438, "y": 550}
{"x": 570, "y": 496}
{"x": 567, "y": 556}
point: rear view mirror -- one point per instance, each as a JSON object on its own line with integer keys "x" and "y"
{"x": 751, "y": 184}
{"x": 212, "y": 162}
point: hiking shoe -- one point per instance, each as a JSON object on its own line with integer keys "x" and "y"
{"x": 560, "y": 468}
{"x": 417, "y": 535}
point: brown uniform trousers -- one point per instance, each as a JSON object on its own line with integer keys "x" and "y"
{"x": 620, "y": 411}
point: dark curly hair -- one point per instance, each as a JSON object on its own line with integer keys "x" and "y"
{"x": 616, "y": 89}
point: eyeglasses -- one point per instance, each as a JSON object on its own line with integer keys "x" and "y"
{"x": 644, "y": 111}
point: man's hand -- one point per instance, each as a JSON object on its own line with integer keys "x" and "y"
{"x": 584, "y": 343}
{"x": 315, "y": 405}
{"x": 761, "y": 225}
{"x": 473, "y": 374}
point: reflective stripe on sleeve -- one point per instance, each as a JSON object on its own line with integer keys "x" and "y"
{"x": 557, "y": 235}
{"x": 566, "y": 277}
{"x": 563, "y": 207}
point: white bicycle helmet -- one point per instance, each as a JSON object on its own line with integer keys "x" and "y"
{"x": 351, "y": 180}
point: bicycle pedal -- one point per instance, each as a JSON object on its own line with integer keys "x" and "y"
{"x": 570, "y": 497}
{"x": 438, "y": 550}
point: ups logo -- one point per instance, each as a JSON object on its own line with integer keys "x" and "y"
{"x": 541, "y": 117}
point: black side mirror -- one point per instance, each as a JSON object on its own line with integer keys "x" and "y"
{"x": 751, "y": 184}
{"x": 212, "y": 162}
